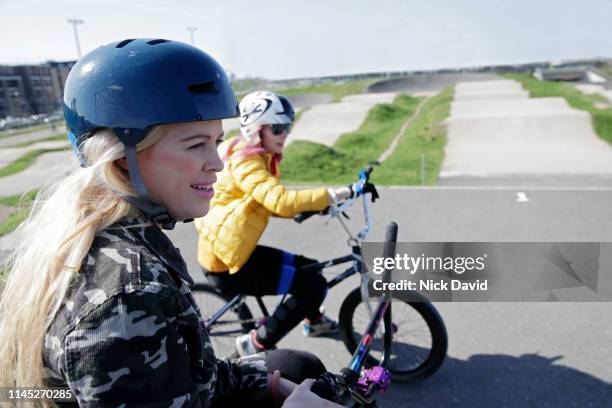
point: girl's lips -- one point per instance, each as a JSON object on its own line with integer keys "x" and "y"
{"x": 205, "y": 191}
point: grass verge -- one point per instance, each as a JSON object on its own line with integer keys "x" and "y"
{"x": 601, "y": 118}
{"x": 425, "y": 137}
{"x": 23, "y": 204}
{"x": 307, "y": 162}
{"x": 337, "y": 90}
{"x": 25, "y": 161}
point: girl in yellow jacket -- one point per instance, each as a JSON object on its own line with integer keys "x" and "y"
{"x": 247, "y": 192}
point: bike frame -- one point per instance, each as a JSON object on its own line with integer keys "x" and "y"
{"x": 355, "y": 257}
{"x": 363, "y": 387}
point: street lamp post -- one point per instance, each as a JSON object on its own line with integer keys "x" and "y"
{"x": 191, "y": 30}
{"x": 74, "y": 23}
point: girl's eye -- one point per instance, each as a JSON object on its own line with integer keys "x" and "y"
{"x": 218, "y": 142}
{"x": 195, "y": 146}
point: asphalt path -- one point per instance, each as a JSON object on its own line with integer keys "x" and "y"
{"x": 32, "y": 136}
{"x": 49, "y": 166}
{"x": 4, "y": 213}
{"x": 9, "y": 155}
{"x": 500, "y": 354}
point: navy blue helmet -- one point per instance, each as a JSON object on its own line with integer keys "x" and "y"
{"x": 131, "y": 85}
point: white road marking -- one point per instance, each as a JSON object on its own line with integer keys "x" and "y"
{"x": 521, "y": 197}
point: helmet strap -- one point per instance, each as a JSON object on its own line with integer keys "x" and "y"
{"x": 143, "y": 201}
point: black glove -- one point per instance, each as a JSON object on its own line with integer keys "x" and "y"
{"x": 327, "y": 387}
{"x": 367, "y": 188}
{"x": 371, "y": 188}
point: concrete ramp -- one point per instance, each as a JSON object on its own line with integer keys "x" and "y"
{"x": 498, "y": 85}
{"x": 499, "y": 90}
{"x": 306, "y": 100}
{"x": 509, "y": 107}
{"x": 491, "y": 134}
{"x": 325, "y": 123}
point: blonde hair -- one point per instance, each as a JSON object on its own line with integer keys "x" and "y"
{"x": 52, "y": 243}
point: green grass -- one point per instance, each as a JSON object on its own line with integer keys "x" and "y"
{"x": 602, "y": 118}
{"x": 337, "y": 90}
{"x": 242, "y": 85}
{"x": 307, "y": 162}
{"x": 3, "y": 272}
{"x": 13, "y": 201}
{"x": 23, "y": 204}
{"x": 24, "y": 161}
{"x": 425, "y": 136}
{"x": 60, "y": 136}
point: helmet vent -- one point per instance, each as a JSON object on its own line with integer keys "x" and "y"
{"x": 158, "y": 41}
{"x": 203, "y": 87}
{"x": 124, "y": 43}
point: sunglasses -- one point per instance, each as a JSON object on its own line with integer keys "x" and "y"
{"x": 278, "y": 129}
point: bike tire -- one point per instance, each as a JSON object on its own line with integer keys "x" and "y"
{"x": 435, "y": 349}
{"x": 234, "y": 322}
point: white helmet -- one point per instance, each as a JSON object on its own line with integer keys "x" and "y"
{"x": 263, "y": 108}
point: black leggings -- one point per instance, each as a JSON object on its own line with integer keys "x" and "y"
{"x": 271, "y": 271}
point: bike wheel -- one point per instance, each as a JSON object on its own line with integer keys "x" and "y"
{"x": 231, "y": 324}
{"x": 419, "y": 336}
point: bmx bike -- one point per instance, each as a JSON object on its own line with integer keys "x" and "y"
{"x": 411, "y": 341}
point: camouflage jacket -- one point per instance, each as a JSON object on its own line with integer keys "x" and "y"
{"x": 130, "y": 333}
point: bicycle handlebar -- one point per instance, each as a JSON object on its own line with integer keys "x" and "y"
{"x": 324, "y": 387}
{"x": 364, "y": 177}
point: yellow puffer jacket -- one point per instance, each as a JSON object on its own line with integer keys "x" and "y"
{"x": 246, "y": 194}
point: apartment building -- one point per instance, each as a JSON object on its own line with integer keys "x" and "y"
{"x": 32, "y": 89}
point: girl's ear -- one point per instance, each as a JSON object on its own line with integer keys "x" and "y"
{"x": 122, "y": 163}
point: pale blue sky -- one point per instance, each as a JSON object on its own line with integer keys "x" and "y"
{"x": 297, "y": 38}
